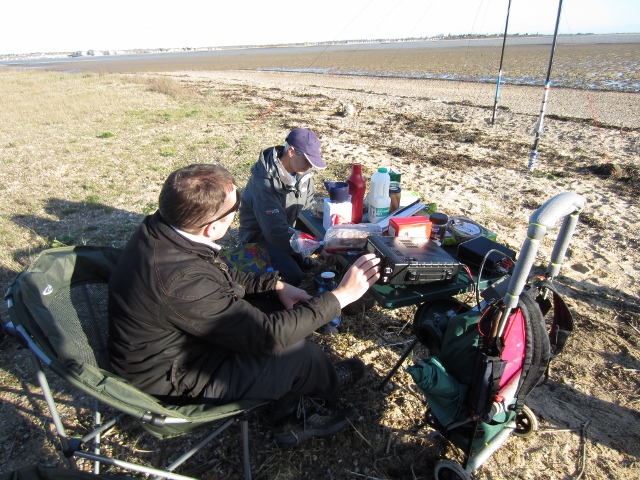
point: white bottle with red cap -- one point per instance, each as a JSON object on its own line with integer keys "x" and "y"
{"x": 379, "y": 199}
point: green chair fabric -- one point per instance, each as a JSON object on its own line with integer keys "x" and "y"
{"x": 61, "y": 301}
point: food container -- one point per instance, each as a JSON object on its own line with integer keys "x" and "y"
{"x": 394, "y": 194}
{"x": 336, "y": 212}
{"x": 349, "y": 238}
{"x": 439, "y": 223}
{"x": 410, "y": 227}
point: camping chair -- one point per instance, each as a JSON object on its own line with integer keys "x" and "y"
{"x": 58, "y": 309}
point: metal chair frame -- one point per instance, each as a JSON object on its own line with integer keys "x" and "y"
{"x": 77, "y": 447}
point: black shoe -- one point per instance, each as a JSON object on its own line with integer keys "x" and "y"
{"x": 313, "y": 419}
{"x": 307, "y": 263}
{"x": 328, "y": 329}
{"x": 349, "y": 371}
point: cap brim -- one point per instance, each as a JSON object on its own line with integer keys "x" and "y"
{"x": 317, "y": 162}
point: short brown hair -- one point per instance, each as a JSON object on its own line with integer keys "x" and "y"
{"x": 192, "y": 195}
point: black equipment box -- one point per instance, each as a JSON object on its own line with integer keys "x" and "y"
{"x": 473, "y": 251}
{"x": 412, "y": 261}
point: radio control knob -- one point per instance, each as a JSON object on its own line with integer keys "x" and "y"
{"x": 411, "y": 275}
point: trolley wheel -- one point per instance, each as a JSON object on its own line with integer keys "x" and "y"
{"x": 526, "y": 423}
{"x": 450, "y": 470}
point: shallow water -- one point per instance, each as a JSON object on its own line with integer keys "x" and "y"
{"x": 597, "y": 62}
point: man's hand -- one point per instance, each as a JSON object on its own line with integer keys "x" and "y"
{"x": 290, "y": 295}
{"x": 364, "y": 272}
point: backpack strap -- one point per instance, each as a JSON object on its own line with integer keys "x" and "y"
{"x": 486, "y": 382}
{"x": 538, "y": 348}
{"x": 562, "y": 325}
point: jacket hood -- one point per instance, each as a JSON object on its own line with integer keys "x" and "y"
{"x": 268, "y": 166}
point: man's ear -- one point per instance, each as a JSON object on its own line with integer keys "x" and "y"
{"x": 211, "y": 230}
{"x": 290, "y": 151}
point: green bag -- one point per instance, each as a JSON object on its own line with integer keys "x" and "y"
{"x": 455, "y": 344}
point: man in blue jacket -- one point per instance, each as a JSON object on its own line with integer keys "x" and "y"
{"x": 280, "y": 187}
{"x": 188, "y": 329}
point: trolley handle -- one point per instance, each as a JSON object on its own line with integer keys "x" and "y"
{"x": 567, "y": 205}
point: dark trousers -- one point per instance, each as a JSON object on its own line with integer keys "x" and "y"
{"x": 285, "y": 263}
{"x": 302, "y": 369}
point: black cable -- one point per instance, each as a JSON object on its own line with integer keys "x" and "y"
{"x": 484, "y": 259}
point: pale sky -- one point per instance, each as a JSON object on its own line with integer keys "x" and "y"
{"x": 30, "y": 26}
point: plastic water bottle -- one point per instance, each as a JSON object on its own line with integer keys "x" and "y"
{"x": 328, "y": 284}
{"x": 379, "y": 199}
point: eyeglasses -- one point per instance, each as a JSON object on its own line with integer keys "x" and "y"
{"x": 233, "y": 209}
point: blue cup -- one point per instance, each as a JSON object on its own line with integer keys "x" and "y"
{"x": 338, "y": 191}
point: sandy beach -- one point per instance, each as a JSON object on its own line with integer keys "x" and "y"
{"x": 391, "y": 126}
{"x": 616, "y": 109}
{"x": 593, "y": 62}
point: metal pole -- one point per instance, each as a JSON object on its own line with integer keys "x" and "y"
{"x": 533, "y": 156}
{"x": 395, "y": 368}
{"x": 504, "y": 41}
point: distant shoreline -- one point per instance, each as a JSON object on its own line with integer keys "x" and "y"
{"x": 584, "y": 62}
{"x": 158, "y": 50}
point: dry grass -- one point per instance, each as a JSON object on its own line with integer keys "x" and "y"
{"x": 83, "y": 155}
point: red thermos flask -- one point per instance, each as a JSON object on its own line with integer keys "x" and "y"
{"x": 357, "y": 189}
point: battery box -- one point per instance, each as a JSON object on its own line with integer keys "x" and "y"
{"x": 473, "y": 251}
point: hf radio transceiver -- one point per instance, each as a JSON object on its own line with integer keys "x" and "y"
{"x": 412, "y": 261}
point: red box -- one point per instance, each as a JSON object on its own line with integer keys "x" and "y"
{"x": 410, "y": 227}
